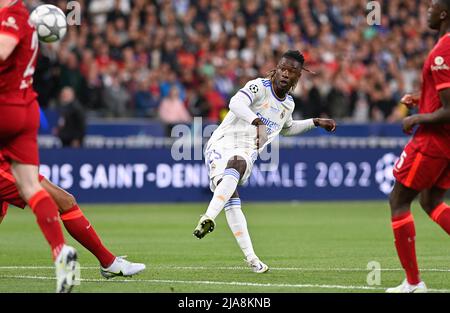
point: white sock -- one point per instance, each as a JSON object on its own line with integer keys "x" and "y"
{"x": 238, "y": 225}
{"x": 223, "y": 192}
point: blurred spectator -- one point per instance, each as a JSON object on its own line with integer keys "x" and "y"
{"x": 72, "y": 122}
{"x": 197, "y": 103}
{"x": 172, "y": 110}
{"x": 145, "y": 103}
{"x": 115, "y": 98}
{"x": 209, "y": 48}
{"x": 70, "y": 73}
{"x": 115, "y": 95}
{"x": 215, "y": 100}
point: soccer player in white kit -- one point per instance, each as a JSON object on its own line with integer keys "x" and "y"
{"x": 258, "y": 113}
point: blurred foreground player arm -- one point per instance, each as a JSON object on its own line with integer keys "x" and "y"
{"x": 298, "y": 127}
{"x": 441, "y": 116}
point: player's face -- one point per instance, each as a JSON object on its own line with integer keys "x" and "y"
{"x": 436, "y": 13}
{"x": 287, "y": 73}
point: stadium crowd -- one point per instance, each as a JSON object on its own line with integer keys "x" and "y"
{"x": 175, "y": 59}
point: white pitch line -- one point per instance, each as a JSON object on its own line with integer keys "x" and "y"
{"x": 199, "y": 268}
{"x": 223, "y": 283}
{"x": 203, "y": 282}
{"x": 300, "y": 269}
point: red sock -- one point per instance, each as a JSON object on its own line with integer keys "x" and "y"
{"x": 80, "y": 229}
{"x": 405, "y": 237}
{"x": 46, "y": 212}
{"x": 441, "y": 215}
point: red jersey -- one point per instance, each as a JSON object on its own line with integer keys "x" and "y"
{"x": 434, "y": 140}
{"x": 16, "y": 72}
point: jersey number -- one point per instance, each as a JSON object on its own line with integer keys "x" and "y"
{"x": 29, "y": 71}
{"x": 401, "y": 160}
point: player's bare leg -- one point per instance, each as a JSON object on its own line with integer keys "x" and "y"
{"x": 236, "y": 167}
{"x": 82, "y": 230}
{"x": 404, "y": 232}
{"x": 46, "y": 212}
{"x": 433, "y": 203}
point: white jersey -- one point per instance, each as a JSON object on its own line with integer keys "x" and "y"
{"x": 275, "y": 113}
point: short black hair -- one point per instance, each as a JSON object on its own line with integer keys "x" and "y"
{"x": 296, "y": 55}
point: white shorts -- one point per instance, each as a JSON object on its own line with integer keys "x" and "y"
{"x": 217, "y": 156}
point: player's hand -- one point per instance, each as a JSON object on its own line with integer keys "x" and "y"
{"x": 328, "y": 124}
{"x": 409, "y": 123}
{"x": 261, "y": 133}
{"x": 410, "y": 100}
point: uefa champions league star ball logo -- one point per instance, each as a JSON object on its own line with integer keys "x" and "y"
{"x": 384, "y": 173}
{"x": 253, "y": 88}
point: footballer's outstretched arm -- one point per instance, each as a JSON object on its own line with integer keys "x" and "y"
{"x": 7, "y": 45}
{"x": 294, "y": 128}
{"x": 441, "y": 116}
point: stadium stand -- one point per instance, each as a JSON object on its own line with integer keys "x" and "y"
{"x": 127, "y": 55}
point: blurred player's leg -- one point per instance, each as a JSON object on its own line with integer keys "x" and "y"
{"x": 404, "y": 232}
{"x": 82, "y": 230}
{"x": 77, "y": 225}
{"x": 238, "y": 225}
{"x": 441, "y": 215}
{"x": 46, "y": 213}
{"x": 41, "y": 203}
{"x": 21, "y": 150}
{"x": 226, "y": 187}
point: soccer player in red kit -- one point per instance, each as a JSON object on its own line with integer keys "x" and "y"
{"x": 19, "y": 124}
{"x": 424, "y": 166}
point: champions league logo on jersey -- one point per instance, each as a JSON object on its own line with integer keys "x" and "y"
{"x": 254, "y": 88}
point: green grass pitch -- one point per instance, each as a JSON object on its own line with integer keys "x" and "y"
{"x": 310, "y": 247}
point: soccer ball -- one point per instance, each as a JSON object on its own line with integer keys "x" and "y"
{"x": 50, "y": 22}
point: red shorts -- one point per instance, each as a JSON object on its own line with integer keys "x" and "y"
{"x": 419, "y": 172}
{"x": 8, "y": 189}
{"x": 19, "y": 127}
